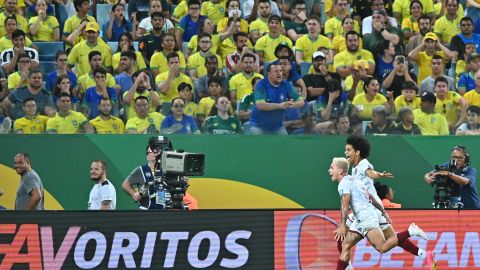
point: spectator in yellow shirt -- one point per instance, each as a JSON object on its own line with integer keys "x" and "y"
{"x": 333, "y": 26}
{"x": 79, "y": 54}
{"x": 338, "y": 42}
{"x": 146, "y": 122}
{"x": 6, "y": 41}
{"x": 410, "y": 25}
{"x": 20, "y": 78}
{"x": 430, "y": 122}
{"x": 168, "y": 81}
{"x": 87, "y": 80}
{"x": 308, "y": 44}
{"x": 265, "y": 46}
{"x": 447, "y": 26}
{"x": 233, "y": 10}
{"x": 10, "y": 10}
{"x": 44, "y": 27}
{"x": 215, "y": 90}
{"x": 196, "y": 62}
{"x": 449, "y": 103}
{"x": 473, "y": 96}
{"x": 423, "y": 54}
{"x": 214, "y": 10}
{"x": 31, "y": 123}
{"x": 343, "y": 62}
{"x": 408, "y": 98}
{"x": 105, "y": 122}
{"x": 72, "y": 30}
{"x": 159, "y": 61}
{"x": 241, "y": 84}
{"x": 260, "y": 26}
{"x": 365, "y": 102}
{"x": 125, "y": 44}
{"x": 140, "y": 87}
{"x": 67, "y": 121}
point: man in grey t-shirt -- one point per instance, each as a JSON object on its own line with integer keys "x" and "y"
{"x": 30, "y": 191}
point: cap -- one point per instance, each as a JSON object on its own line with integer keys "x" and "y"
{"x": 430, "y": 35}
{"x": 427, "y": 96}
{"x": 319, "y": 54}
{"x": 361, "y": 63}
{"x": 472, "y": 56}
{"x": 92, "y": 26}
{"x": 381, "y": 12}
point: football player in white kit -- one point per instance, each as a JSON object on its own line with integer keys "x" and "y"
{"x": 103, "y": 195}
{"x": 355, "y": 196}
{"x": 357, "y": 149}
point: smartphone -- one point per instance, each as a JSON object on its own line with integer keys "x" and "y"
{"x": 400, "y": 59}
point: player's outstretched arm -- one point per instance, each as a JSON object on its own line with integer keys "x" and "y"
{"x": 376, "y": 175}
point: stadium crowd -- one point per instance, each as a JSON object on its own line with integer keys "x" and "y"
{"x": 240, "y": 66}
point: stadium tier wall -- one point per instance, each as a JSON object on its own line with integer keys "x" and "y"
{"x": 240, "y": 171}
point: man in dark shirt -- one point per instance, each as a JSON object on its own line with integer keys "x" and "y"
{"x": 317, "y": 81}
{"x": 152, "y": 41}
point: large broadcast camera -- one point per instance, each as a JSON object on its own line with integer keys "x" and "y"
{"x": 172, "y": 169}
{"x": 443, "y": 191}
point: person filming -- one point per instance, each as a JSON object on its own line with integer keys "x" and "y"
{"x": 460, "y": 180}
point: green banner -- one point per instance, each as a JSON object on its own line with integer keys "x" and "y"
{"x": 241, "y": 171}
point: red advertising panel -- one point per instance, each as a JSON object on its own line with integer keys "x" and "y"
{"x": 304, "y": 240}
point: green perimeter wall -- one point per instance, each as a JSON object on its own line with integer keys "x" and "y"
{"x": 295, "y": 167}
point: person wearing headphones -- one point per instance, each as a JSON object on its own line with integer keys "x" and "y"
{"x": 461, "y": 179}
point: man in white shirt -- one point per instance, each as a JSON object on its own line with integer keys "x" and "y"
{"x": 9, "y": 57}
{"x": 367, "y": 22}
{"x": 247, "y": 7}
{"x": 103, "y": 195}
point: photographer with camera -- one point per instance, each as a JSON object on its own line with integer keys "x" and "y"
{"x": 455, "y": 182}
{"x": 152, "y": 188}
{"x": 134, "y": 185}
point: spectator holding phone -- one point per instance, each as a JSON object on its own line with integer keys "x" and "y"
{"x": 400, "y": 74}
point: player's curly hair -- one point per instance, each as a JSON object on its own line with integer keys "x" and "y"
{"x": 359, "y": 143}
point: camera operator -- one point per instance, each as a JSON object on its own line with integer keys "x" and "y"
{"x": 141, "y": 175}
{"x": 461, "y": 179}
{"x": 152, "y": 196}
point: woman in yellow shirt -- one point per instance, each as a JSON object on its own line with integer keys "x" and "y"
{"x": 365, "y": 102}
{"x": 410, "y": 25}
{"x": 233, "y": 6}
{"x": 44, "y": 27}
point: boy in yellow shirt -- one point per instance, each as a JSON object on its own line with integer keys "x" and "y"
{"x": 408, "y": 98}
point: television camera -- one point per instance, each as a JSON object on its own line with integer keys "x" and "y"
{"x": 172, "y": 168}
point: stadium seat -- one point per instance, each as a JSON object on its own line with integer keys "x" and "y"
{"x": 114, "y": 45}
{"x": 47, "y": 50}
{"x": 304, "y": 68}
{"x": 103, "y": 14}
{"x": 364, "y": 126}
{"x": 103, "y": 11}
{"x": 184, "y": 48}
{"x": 265, "y": 67}
{"x": 166, "y": 106}
{"x": 47, "y": 67}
